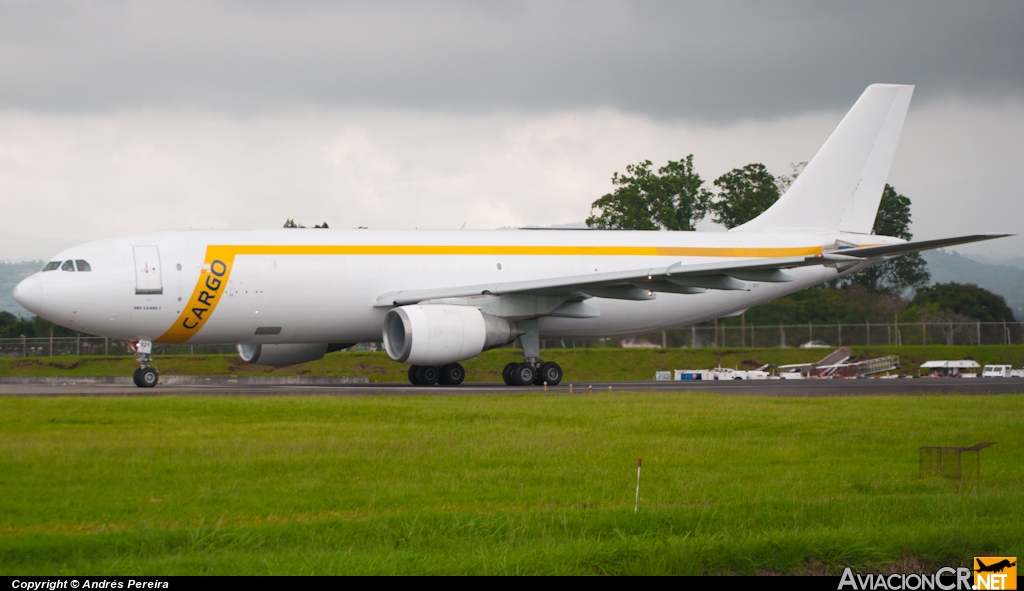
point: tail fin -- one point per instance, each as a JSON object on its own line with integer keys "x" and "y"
{"x": 842, "y": 185}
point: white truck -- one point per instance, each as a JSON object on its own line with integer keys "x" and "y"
{"x": 721, "y": 373}
{"x": 997, "y": 371}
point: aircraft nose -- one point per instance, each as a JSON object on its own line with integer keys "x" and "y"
{"x": 29, "y": 293}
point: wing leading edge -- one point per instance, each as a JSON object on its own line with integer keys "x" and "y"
{"x": 641, "y": 284}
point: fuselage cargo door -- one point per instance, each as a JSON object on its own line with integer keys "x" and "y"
{"x": 148, "y": 270}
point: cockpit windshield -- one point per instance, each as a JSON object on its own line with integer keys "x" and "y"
{"x": 82, "y": 265}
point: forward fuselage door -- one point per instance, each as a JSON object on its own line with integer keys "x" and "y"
{"x": 148, "y": 270}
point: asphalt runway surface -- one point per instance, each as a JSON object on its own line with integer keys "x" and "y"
{"x": 798, "y": 388}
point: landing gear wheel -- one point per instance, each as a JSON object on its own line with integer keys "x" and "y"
{"x": 506, "y": 374}
{"x": 524, "y": 374}
{"x": 551, "y": 373}
{"x": 427, "y": 375}
{"x": 452, "y": 375}
{"x": 412, "y": 375}
{"x": 146, "y": 377}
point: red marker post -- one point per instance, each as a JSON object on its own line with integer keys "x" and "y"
{"x": 636, "y": 503}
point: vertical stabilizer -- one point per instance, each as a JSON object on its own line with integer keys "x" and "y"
{"x": 841, "y": 186}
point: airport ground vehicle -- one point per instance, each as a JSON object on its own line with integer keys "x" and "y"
{"x": 951, "y": 368}
{"x": 436, "y": 298}
{"x": 814, "y": 345}
{"x": 724, "y": 373}
{"x": 720, "y": 373}
{"x": 996, "y": 372}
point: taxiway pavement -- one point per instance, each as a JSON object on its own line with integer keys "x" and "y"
{"x": 905, "y": 386}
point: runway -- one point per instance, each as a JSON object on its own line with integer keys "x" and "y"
{"x": 798, "y": 388}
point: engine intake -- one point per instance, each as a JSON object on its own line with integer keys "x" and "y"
{"x": 439, "y": 334}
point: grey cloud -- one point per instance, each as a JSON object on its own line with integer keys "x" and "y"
{"x": 710, "y": 61}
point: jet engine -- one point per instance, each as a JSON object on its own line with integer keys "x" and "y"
{"x": 439, "y": 334}
{"x": 285, "y": 354}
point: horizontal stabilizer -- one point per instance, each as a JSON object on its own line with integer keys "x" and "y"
{"x": 886, "y": 250}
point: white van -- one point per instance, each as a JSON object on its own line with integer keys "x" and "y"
{"x": 724, "y": 373}
{"x": 996, "y": 371}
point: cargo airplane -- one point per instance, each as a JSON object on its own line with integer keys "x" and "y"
{"x": 436, "y": 298}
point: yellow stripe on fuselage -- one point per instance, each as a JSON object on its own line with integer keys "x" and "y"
{"x": 220, "y": 259}
{"x": 288, "y": 249}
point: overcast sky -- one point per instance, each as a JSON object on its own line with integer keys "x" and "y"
{"x": 118, "y": 117}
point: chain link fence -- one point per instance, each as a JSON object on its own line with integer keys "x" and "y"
{"x": 60, "y": 346}
{"x": 838, "y": 335}
{"x": 704, "y": 335}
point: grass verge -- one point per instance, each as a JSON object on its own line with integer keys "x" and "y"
{"x": 579, "y": 364}
{"x": 499, "y": 484}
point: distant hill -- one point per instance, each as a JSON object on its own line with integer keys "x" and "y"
{"x": 10, "y": 275}
{"x": 991, "y": 259}
{"x": 1005, "y": 280}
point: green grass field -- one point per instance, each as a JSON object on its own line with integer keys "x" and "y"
{"x": 579, "y": 364}
{"x": 520, "y": 483}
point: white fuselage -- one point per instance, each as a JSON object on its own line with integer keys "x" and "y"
{"x": 319, "y": 285}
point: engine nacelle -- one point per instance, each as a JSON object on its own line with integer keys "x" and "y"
{"x": 282, "y": 355}
{"x": 440, "y": 334}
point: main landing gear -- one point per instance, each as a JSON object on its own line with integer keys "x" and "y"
{"x": 146, "y": 376}
{"x": 534, "y": 373}
{"x": 428, "y": 375}
{"x": 532, "y": 370}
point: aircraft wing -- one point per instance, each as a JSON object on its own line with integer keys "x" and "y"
{"x": 640, "y": 284}
{"x": 635, "y": 284}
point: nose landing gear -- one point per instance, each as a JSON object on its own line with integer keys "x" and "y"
{"x": 146, "y": 376}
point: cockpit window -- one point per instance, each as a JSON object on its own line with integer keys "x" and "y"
{"x": 52, "y": 266}
{"x": 68, "y": 266}
{"x": 82, "y": 265}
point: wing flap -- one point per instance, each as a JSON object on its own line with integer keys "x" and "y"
{"x": 630, "y": 285}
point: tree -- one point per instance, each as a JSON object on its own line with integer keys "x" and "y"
{"x": 290, "y": 223}
{"x": 743, "y": 194}
{"x": 673, "y": 198}
{"x": 823, "y": 305}
{"x": 12, "y": 326}
{"x": 900, "y": 274}
{"x": 785, "y": 181}
{"x": 967, "y": 300}
{"x": 893, "y": 217}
